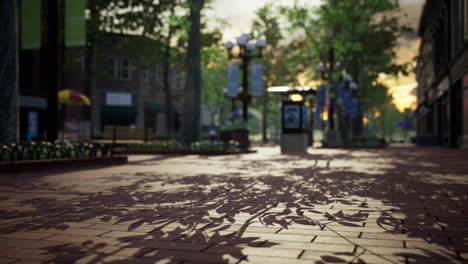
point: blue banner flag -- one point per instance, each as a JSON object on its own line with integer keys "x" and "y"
{"x": 233, "y": 80}
{"x": 322, "y": 94}
{"x": 257, "y": 79}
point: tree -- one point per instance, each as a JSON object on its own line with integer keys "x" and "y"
{"x": 356, "y": 35}
{"x": 164, "y": 22}
{"x": 214, "y": 64}
{"x": 190, "y": 130}
{"x": 266, "y": 24}
{"x": 8, "y": 72}
{"x": 158, "y": 21}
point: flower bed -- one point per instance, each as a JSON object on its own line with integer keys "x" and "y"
{"x": 173, "y": 147}
{"x": 46, "y": 150}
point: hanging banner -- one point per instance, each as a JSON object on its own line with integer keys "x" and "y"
{"x": 321, "y": 102}
{"x": 31, "y": 24}
{"x": 257, "y": 79}
{"x": 233, "y": 80}
{"x": 322, "y": 96}
{"x": 75, "y": 23}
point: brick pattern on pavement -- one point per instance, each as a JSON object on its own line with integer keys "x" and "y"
{"x": 395, "y": 205}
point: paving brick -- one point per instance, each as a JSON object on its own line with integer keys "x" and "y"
{"x": 249, "y": 229}
{"x": 110, "y": 227}
{"x": 318, "y": 233}
{"x": 84, "y": 239}
{"x": 30, "y": 244}
{"x": 440, "y": 254}
{"x": 26, "y": 235}
{"x": 269, "y": 260}
{"x": 327, "y": 257}
{"x": 276, "y": 244}
{"x": 358, "y": 229}
{"x": 74, "y": 231}
{"x": 76, "y": 224}
{"x": 376, "y": 259}
{"x": 106, "y": 250}
{"x": 416, "y": 211}
{"x": 22, "y": 261}
{"x": 279, "y": 236}
{"x": 27, "y": 254}
{"x": 169, "y": 245}
{"x": 101, "y": 259}
{"x": 7, "y": 260}
{"x": 203, "y": 257}
{"x": 256, "y": 251}
{"x": 441, "y": 239}
{"x": 123, "y": 234}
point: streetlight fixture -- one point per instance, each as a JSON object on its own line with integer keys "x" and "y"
{"x": 247, "y": 46}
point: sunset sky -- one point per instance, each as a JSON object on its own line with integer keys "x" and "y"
{"x": 239, "y": 14}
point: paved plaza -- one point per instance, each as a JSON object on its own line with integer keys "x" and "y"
{"x": 394, "y": 205}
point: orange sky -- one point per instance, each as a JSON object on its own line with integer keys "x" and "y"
{"x": 402, "y": 88}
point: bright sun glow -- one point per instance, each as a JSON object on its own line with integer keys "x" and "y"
{"x": 402, "y": 89}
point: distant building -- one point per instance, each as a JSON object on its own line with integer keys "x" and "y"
{"x": 127, "y": 88}
{"x": 442, "y": 74}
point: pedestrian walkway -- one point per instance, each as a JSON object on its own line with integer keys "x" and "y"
{"x": 394, "y": 205}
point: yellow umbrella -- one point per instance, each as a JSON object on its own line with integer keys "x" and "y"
{"x": 70, "y": 97}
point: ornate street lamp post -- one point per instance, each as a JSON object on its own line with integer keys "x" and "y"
{"x": 247, "y": 46}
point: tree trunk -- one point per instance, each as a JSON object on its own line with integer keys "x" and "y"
{"x": 190, "y": 130}
{"x": 166, "y": 83}
{"x": 8, "y": 72}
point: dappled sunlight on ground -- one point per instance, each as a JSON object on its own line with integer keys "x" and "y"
{"x": 397, "y": 205}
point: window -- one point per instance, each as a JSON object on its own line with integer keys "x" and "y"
{"x": 146, "y": 75}
{"x": 83, "y": 63}
{"x": 158, "y": 73}
{"x": 113, "y": 68}
{"x": 125, "y": 70}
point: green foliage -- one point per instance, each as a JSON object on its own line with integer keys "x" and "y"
{"x": 236, "y": 124}
{"x": 388, "y": 120}
{"x": 172, "y": 146}
{"x": 214, "y": 64}
{"x": 360, "y": 34}
{"x": 46, "y": 150}
{"x": 277, "y": 68}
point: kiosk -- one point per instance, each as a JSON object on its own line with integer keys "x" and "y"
{"x": 295, "y": 117}
{"x": 295, "y": 124}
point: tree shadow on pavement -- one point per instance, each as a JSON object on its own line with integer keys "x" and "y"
{"x": 230, "y": 218}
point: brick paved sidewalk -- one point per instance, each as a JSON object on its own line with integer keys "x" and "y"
{"x": 398, "y": 205}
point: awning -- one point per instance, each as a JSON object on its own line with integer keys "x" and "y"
{"x": 119, "y": 110}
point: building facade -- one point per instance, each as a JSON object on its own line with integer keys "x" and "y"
{"x": 127, "y": 89}
{"x": 442, "y": 74}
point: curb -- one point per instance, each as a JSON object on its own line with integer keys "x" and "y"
{"x": 33, "y": 165}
